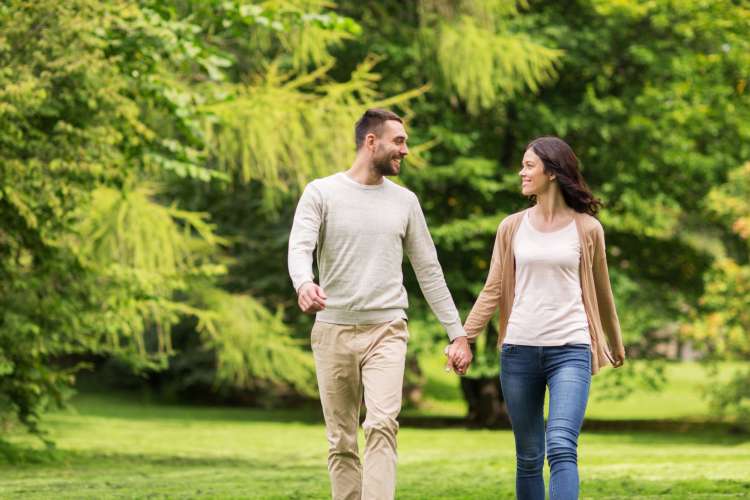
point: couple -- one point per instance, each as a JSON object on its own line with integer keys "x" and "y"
{"x": 548, "y": 276}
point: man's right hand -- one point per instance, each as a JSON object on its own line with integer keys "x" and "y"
{"x": 311, "y": 298}
{"x": 459, "y": 355}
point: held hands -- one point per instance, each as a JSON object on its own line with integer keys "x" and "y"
{"x": 459, "y": 355}
{"x": 311, "y": 298}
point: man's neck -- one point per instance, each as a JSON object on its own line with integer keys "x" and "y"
{"x": 363, "y": 172}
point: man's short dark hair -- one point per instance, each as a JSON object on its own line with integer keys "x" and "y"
{"x": 372, "y": 122}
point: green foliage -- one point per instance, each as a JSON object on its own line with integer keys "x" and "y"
{"x": 652, "y": 97}
{"x": 99, "y": 100}
{"x": 731, "y": 201}
{"x": 726, "y": 306}
{"x": 151, "y": 252}
{"x": 152, "y": 150}
{"x": 64, "y": 121}
{"x": 285, "y": 130}
{"x": 476, "y": 55}
{"x": 721, "y": 323}
{"x": 254, "y": 348}
{"x": 130, "y": 228}
{"x": 485, "y": 68}
{"x": 297, "y": 33}
{"x": 733, "y": 397}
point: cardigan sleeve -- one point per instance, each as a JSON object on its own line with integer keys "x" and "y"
{"x": 604, "y": 298}
{"x": 489, "y": 298}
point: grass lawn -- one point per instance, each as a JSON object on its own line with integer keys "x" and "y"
{"x": 118, "y": 447}
{"x": 682, "y": 397}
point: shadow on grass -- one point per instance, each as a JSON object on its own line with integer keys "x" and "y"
{"x": 626, "y": 487}
{"x": 616, "y": 488}
{"x": 132, "y": 407}
{"x": 701, "y": 431}
{"x": 12, "y": 455}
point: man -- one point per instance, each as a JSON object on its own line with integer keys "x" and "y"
{"x": 361, "y": 223}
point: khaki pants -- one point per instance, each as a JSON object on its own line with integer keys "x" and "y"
{"x": 350, "y": 360}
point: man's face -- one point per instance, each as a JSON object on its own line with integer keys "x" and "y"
{"x": 390, "y": 148}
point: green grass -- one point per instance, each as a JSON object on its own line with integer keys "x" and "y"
{"x": 115, "y": 446}
{"x": 681, "y": 398}
{"x": 120, "y": 448}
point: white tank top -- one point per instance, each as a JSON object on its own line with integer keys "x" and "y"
{"x": 548, "y": 305}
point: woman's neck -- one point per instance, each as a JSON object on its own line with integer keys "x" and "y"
{"x": 551, "y": 206}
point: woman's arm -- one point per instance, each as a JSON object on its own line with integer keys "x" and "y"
{"x": 489, "y": 298}
{"x": 605, "y": 300}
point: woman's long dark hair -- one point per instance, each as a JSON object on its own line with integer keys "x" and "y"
{"x": 559, "y": 159}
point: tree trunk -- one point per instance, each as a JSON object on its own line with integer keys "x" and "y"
{"x": 414, "y": 380}
{"x": 484, "y": 395}
{"x": 485, "y": 398}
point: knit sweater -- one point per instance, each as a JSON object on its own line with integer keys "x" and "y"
{"x": 361, "y": 233}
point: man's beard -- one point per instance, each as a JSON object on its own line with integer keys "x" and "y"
{"x": 383, "y": 166}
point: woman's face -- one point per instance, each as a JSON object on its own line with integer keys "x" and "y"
{"x": 533, "y": 179}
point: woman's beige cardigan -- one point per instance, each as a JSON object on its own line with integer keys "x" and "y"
{"x": 499, "y": 289}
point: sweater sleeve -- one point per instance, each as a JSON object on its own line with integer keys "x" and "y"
{"x": 304, "y": 236}
{"x": 604, "y": 298}
{"x": 423, "y": 257}
{"x": 489, "y": 298}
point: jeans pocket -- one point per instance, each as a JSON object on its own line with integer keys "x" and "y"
{"x": 507, "y": 348}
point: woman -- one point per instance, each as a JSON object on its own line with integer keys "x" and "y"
{"x": 557, "y": 315}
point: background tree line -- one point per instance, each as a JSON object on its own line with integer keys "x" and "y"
{"x": 151, "y": 155}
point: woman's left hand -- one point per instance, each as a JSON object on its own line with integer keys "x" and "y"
{"x": 618, "y": 357}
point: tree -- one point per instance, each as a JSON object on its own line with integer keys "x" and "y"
{"x": 721, "y": 319}
{"x": 652, "y": 98}
{"x": 105, "y": 112}
{"x": 206, "y": 118}
{"x": 68, "y": 129}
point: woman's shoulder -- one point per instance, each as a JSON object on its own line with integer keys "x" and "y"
{"x": 510, "y": 221}
{"x": 509, "y": 225}
{"x": 589, "y": 223}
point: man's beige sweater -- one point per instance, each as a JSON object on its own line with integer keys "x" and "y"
{"x": 361, "y": 233}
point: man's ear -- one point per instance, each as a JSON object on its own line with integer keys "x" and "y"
{"x": 370, "y": 140}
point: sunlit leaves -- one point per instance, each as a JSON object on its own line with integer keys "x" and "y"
{"x": 284, "y": 129}
{"x": 254, "y": 348}
{"x": 476, "y": 55}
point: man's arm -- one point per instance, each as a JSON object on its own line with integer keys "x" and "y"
{"x": 302, "y": 241}
{"x": 423, "y": 257}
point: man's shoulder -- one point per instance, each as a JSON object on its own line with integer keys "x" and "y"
{"x": 400, "y": 191}
{"x": 322, "y": 187}
{"x": 323, "y": 182}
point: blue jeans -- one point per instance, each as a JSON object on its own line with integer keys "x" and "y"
{"x": 525, "y": 373}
